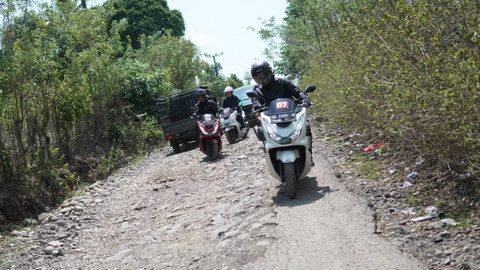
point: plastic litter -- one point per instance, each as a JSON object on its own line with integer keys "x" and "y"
{"x": 409, "y": 211}
{"x": 419, "y": 161}
{"x": 373, "y": 146}
{"x": 412, "y": 175}
{"x": 431, "y": 210}
{"x": 449, "y": 221}
{"x": 406, "y": 184}
{"x": 422, "y": 218}
{"x": 431, "y": 213}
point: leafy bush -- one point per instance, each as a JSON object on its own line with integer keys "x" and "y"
{"x": 406, "y": 72}
{"x": 403, "y": 70}
{"x": 141, "y": 87}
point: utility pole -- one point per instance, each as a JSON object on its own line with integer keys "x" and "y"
{"x": 215, "y": 66}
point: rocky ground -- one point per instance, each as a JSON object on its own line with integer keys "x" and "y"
{"x": 183, "y": 212}
{"x": 169, "y": 211}
{"x": 442, "y": 243}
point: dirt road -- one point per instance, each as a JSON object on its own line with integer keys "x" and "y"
{"x": 182, "y": 212}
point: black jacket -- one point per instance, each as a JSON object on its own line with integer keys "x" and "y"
{"x": 279, "y": 88}
{"x": 205, "y": 107}
{"x": 232, "y": 102}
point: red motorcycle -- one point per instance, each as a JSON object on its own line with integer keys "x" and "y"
{"x": 210, "y": 137}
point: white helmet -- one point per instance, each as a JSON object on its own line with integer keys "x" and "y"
{"x": 228, "y": 89}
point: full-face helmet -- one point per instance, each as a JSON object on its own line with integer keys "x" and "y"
{"x": 200, "y": 92}
{"x": 262, "y": 73}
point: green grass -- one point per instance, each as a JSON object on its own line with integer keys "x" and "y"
{"x": 365, "y": 167}
{"x": 414, "y": 201}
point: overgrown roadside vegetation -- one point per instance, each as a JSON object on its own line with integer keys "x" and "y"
{"x": 77, "y": 94}
{"x": 76, "y": 90}
{"x": 405, "y": 73}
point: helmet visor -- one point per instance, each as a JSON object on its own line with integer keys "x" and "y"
{"x": 262, "y": 77}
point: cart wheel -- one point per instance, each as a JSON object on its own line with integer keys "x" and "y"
{"x": 176, "y": 146}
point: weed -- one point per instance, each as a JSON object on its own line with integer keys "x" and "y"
{"x": 414, "y": 201}
{"x": 365, "y": 167}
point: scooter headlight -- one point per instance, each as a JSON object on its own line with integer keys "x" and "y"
{"x": 294, "y": 135}
{"x": 290, "y": 138}
{"x": 206, "y": 133}
{"x": 215, "y": 129}
{"x": 274, "y": 136}
{"x": 298, "y": 128}
{"x": 202, "y": 129}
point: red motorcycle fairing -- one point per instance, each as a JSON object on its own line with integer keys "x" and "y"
{"x": 211, "y": 137}
{"x": 213, "y": 140}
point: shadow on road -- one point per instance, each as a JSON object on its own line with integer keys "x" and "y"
{"x": 219, "y": 158}
{"x": 308, "y": 191}
{"x": 184, "y": 148}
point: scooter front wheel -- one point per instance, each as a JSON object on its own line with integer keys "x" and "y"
{"x": 290, "y": 179}
{"x": 212, "y": 151}
{"x": 231, "y": 136}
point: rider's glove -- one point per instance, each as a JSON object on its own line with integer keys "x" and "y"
{"x": 306, "y": 103}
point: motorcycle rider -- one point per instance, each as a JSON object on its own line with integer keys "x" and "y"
{"x": 269, "y": 87}
{"x": 234, "y": 102}
{"x": 203, "y": 106}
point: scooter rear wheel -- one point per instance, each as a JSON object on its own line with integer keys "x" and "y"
{"x": 290, "y": 179}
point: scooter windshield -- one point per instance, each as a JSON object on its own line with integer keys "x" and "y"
{"x": 282, "y": 110}
{"x": 208, "y": 119}
{"x": 227, "y": 112}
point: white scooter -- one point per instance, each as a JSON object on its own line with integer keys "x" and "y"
{"x": 284, "y": 133}
{"x": 231, "y": 127}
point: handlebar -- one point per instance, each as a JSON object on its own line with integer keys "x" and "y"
{"x": 261, "y": 109}
{"x": 300, "y": 104}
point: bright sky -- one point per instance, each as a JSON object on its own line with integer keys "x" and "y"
{"x": 221, "y": 26}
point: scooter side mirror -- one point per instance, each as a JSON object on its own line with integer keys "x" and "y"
{"x": 310, "y": 88}
{"x": 252, "y": 95}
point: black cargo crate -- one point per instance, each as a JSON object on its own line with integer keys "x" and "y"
{"x": 177, "y": 106}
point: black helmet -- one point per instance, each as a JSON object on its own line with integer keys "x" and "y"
{"x": 200, "y": 92}
{"x": 262, "y": 73}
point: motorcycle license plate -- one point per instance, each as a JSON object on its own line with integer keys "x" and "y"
{"x": 283, "y": 117}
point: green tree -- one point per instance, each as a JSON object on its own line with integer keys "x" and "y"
{"x": 234, "y": 81}
{"x": 146, "y": 17}
{"x": 142, "y": 86}
{"x": 178, "y": 56}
